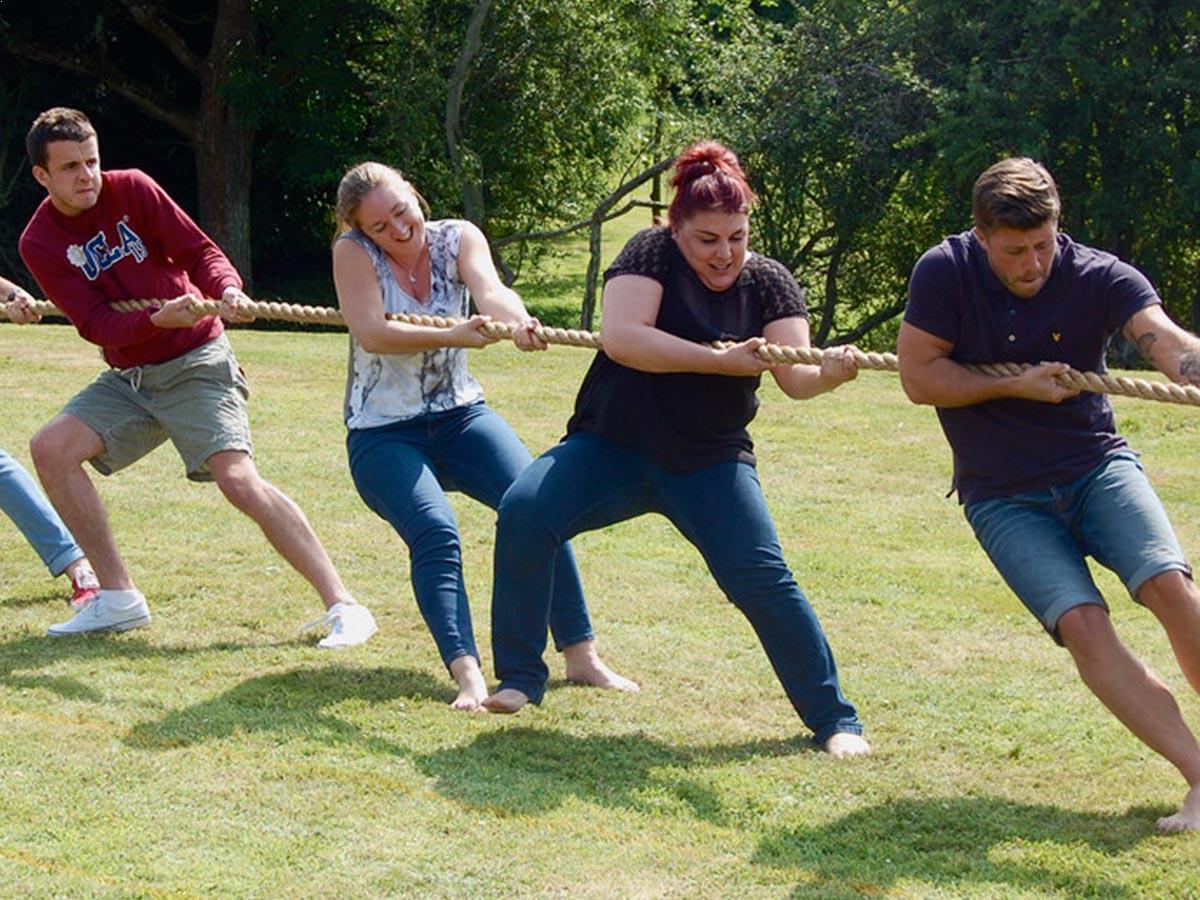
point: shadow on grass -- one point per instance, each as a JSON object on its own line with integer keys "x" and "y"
{"x": 981, "y": 841}
{"x": 37, "y": 651}
{"x": 48, "y": 597}
{"x": 521, "y": 771}
{"x": 947, "y": 843}
{"x": 951, "y": 842}
{"x": 293, "y": 703}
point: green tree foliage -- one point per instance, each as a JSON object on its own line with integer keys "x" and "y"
{"x": 170, "y": 61}
{"x": 862, "y": 123}
{"x": 551, "y": 99}
{"x": 310, "y": 94}
{"x": 1104, "y": 93}
{"x": 551, "y": 103}
{"x": 829, "y": 117}
{"x": 523, "y": 116}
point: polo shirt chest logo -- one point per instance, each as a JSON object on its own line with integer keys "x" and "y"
{"x": 94, "y": 256}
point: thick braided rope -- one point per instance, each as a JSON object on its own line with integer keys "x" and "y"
{"x": 324, "y": 315}
{"x": 1163, "y": 392}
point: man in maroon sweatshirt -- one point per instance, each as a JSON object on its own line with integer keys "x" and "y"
{"x": 100, "y": 237}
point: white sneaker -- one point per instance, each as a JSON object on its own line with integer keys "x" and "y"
{"x": 110, "y": 611}
{"x": 349, "y": 624}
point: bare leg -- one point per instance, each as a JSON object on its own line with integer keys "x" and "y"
{"x": 59, "y": 451}
{"x": 584, "y": 666}
{"x": 281, "y": 520}
{"x": 1175, "y": 601}
{"x": 472, "y": 688}
{"x": 1137, "y": 697}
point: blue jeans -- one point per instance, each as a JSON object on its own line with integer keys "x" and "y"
{"x": 403, "y": 471}
{"x": 23, "y": 502}
{"x": 588, "y": 482}
{"x": 1039, "y": 541}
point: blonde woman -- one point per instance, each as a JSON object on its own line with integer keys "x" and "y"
{"x": 418, "y": 424}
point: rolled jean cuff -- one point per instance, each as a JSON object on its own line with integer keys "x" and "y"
{"x": 588, "y": 635}
{"x": 1152, "y": 569}
{"x": 535, "y": 694}
{"x": 852, "y": 726}
{"x": 59, "y": 563}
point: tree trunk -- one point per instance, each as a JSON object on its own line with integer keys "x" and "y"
{"x": 587, "y": 313}
{"x": 656, "y": 188}
{"x": 831, "y": 295}
{"x": 224, "y": 147}
{"x": 466, "y": 164}
{"x": 600, "y": 214}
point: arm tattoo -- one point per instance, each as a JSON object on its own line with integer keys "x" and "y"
{"x": 1182, "y": 349}
{"x": 1145, "y": 342}
{"x": 1189, "y": 367}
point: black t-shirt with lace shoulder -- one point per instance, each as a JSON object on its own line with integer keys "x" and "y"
{"x": 686, "y": 421}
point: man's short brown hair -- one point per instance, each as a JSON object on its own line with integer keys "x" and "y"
{"x": 1016, "y": 192}
{"x": 57, "y": 124}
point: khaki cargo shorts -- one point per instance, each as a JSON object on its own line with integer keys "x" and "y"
{"x": 198, "y": 400}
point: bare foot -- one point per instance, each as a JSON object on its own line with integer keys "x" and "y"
{"x": 584, "y": 666}
{"x": 1188, "y": 818}
{"x": 844, "y": 744}
{"x": 508, "y": 700}
{"x": 472, "y": 688}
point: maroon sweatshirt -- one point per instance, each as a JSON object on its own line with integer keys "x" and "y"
{"x": 134, "y": 244}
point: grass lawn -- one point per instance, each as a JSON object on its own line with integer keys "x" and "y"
{"x": 217, "y": 753}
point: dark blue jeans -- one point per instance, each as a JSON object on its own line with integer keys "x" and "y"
{"x": 403, "y": 472}
{"x": 588, "y": 482}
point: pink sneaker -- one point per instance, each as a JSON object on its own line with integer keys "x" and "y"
{"x": 85, "y": 588}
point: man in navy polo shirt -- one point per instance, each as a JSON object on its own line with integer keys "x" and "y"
{"x": 1044, "y": 477}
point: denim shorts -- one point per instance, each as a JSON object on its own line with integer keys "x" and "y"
{"x": 1039, "y": 540}
{"x": 198, "y": 400}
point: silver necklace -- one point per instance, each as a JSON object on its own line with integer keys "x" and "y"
{"x": 412, "y": 278}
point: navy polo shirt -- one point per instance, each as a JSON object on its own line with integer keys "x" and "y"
{"x": 1005, "y": 447}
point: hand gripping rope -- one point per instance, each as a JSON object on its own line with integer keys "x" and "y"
{"x": 1163, "y": 392}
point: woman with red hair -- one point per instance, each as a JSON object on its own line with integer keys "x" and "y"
{"x": 660, "y": 426}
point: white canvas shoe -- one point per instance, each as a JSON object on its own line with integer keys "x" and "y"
{"x": 349, "y": 624}
{"x": 110, "y": 611}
